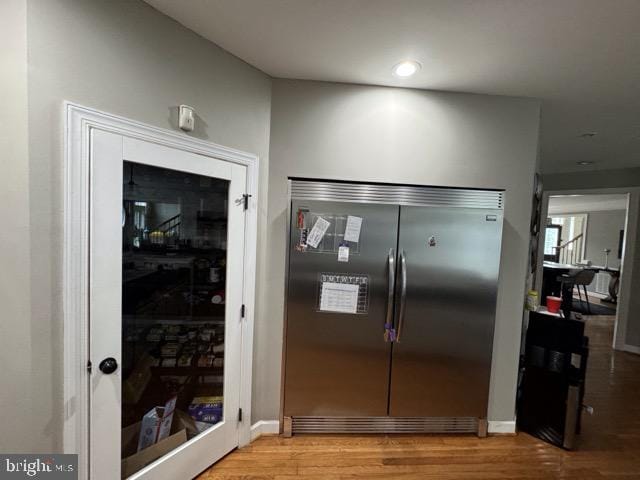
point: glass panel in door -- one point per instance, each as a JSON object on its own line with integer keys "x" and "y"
{"x": 174, "y": 254}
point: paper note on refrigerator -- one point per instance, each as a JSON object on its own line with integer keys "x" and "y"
{"x": 352, "y": 230}
{"x": 317, "y": 232}
{"x": 343, "y": 253}
{"x": 339, "y": 297}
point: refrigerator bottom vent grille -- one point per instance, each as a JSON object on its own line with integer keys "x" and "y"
{"x": 384, "y": 424}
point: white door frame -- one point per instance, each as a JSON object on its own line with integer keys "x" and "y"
{"x": 79, "y": 121}
{"x": 631, "y": 236}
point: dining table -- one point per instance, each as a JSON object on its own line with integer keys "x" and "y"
{"x": 553, "y": 271}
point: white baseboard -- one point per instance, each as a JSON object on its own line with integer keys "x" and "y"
{"x": 264, "y": 427}
{"x": 631, "y": 349}
{"x": 502, "y": 426}
{"x": 599, "y": 295}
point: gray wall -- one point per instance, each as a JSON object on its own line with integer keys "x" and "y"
{"x": 352, "y": 132}
{"x": 603, "y": 231}
{"x": 15, "y": 327}
{"x": 633, "y": 320}
{"x": 616, "y": 178}
{"x": 125, "y": 58}
{"x": 628, "y": 178}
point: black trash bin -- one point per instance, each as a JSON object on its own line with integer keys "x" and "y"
{"x": 552, "y": 384}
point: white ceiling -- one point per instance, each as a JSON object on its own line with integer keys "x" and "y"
{"x": 587, "y": 203}
{"x": 581, "y": 57}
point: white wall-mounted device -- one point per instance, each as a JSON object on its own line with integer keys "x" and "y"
{"x": 186, "y": 118}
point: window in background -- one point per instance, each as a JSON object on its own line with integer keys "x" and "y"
{"x": 572, "y": 233}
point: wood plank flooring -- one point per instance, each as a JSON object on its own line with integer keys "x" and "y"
{"x": 609, "y": 444}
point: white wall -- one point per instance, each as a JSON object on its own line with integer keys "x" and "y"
{"x": 603, "y": 231}
{"x": 351, "y": 132}
{"x": 15, "y": 337}
{"x": 123, "y": 57}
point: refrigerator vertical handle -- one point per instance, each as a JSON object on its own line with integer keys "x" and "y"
{"x": 403, "y": 294}
{"x": 392, "y": 287}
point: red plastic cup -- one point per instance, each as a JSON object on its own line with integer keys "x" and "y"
{"x": 553, "y": 304}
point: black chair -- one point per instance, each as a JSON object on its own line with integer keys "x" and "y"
{"x": 582, "y": 278}
{"x": 567, "y": 282}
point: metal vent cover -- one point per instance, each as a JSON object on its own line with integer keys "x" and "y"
{"x": 305, "y": 424}
{"x": 396, "y": 194}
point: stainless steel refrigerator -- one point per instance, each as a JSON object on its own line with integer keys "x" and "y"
{"x": 390, "y": 307}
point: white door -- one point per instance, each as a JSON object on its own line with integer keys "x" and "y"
{"x": 166, "y": 277}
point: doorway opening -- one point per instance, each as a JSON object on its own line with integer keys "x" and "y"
{"x": 586, "y": 235}
{"x": 585, "y": 261}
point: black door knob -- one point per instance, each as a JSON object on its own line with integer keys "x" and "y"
{"x": 108, "y": 365}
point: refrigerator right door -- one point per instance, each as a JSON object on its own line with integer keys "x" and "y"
{"x": 447, "y": 279}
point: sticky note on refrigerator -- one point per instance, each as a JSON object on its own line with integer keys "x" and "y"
{"x": 343, "y": 253}
{"x": 339, "y": 297}
{"x": 352, "y": 230}
{"x": 317, "y": 232}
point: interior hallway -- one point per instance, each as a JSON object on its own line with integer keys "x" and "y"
{"x": 609, "y": 445}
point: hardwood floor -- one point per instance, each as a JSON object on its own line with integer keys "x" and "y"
{"x": 609, "y": 444}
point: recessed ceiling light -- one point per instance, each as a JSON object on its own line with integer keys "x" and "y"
{"x": 584, "y": 163}
{"x": 406, "y": 68}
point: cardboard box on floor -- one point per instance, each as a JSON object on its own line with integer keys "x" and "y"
{"x": 156, "y": 424}
{"x": 181, "y": 427}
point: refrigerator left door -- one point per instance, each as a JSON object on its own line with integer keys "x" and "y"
{"x": 166, "y": 265}
{"x": 337, "y": 359}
